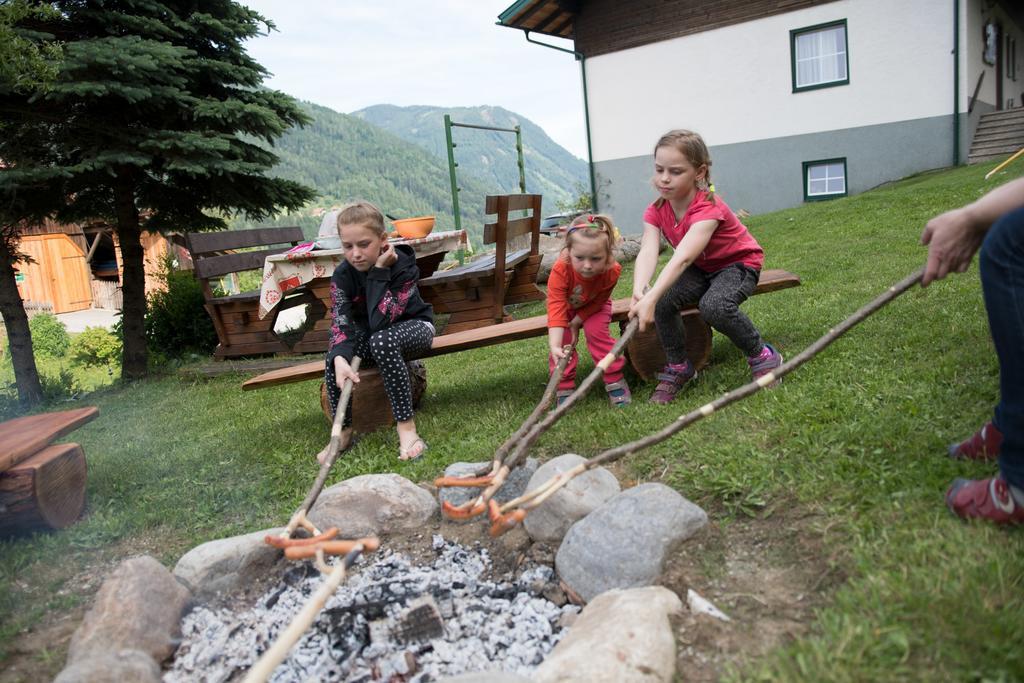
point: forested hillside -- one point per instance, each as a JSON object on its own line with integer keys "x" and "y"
{"x": 346, "y": 157}
{"x": 489, "y": 156}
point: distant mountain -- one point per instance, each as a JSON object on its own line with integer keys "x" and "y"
{"x": 346, "y": 158}
{"x": 489, "y": 156}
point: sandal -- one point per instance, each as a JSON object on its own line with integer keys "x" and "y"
{"x": 403, "y": 453}
{"x": 618, "y": 394}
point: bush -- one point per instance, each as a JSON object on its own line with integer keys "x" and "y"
{"x": 95, "y": 346}
{"x": 176, "y": 321}
{"x": 50, "y": 338}
{"x": 57, "y": 383}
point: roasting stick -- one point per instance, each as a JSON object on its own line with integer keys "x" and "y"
{"x": 483, "y": 477}
{"x": 481, "y": 503}
{"x": 506, "y": 516}
{"x": 266, "y": 664}
{"x": 299, "y": 518}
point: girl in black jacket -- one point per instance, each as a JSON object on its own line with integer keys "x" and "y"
{"x": 377, "y": 314}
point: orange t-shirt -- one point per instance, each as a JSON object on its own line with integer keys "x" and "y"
{"x": 570, "y": 295}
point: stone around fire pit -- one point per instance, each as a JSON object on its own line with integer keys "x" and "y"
{"x": 138, "y": 607}
{"x": 487, "y": 677}
{"x": 550, "y": 521}
{"x": 126, "y": 666}
{"x": 373, "y": 505}
{"x": 623, "y": 636}
{"x": 227, "y": 564}
{"x": 623, "y": 543}
{"x": 513, "y": 487}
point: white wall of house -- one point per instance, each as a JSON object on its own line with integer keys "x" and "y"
{"x": 734, "y": 84}
{"x": 976, "y": 14}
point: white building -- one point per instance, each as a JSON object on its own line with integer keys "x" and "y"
{"x": 798, "y": 100}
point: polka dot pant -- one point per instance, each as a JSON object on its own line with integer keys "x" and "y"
{"x": 387, "y": 350}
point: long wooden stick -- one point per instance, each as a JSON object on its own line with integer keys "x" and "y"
{"x": 266, "y": 664}
{"x": 332, "y": 453}
{"x": 533, "y": 498}
{"x": 1004, "y": 164}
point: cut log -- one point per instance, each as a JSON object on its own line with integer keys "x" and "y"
{"x": 46, "y": 491}
{"x": 370, "y": 406}
{"x": 647, "y": 356}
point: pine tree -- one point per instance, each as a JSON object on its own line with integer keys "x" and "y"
{"x": 152, "y": 123}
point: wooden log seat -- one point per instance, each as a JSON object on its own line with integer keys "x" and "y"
{"x": 644, "y": 351}
{"x": 42, "y": 486}
{"x": 370, "y": 406}
{"x": 475, "y": 294}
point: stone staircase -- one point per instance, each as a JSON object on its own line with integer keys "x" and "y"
{"x": 999, "y": 134}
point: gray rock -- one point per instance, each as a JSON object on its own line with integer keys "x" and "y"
{"x": 623, "y": 543}
{"x": 513, "y": 487}
{"x": 373, "y": 505}
{"x": 585, "y": 493}
{"x": 138, "y": 607}
{"x": 623, "y": 636}
{"x": 125, "y": 666}
{"x": 486, "y": 677}
{"x": 227, "y": 564}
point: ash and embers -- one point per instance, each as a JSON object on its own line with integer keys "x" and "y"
{"x": 390, "y": 621}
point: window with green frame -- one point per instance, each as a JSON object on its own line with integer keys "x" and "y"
{"x": 819, "y": 56}
{"x": 824, "y": 179}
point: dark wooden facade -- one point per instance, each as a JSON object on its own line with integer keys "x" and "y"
{"x": 604, "y": 26}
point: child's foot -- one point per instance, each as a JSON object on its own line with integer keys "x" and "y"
{"x": 562, "y": 395}
{"x": 414, "y": 451}
{"x": 984, "y": 445}
{"x": 992, "y": 499}
{"x": 672, "y": 378}
{"x": 618, "y": 394}
{"x": 346, "y": 441}
{"x": 764, "y": 362}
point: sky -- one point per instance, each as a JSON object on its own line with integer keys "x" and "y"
{"x": 351, "y": 54}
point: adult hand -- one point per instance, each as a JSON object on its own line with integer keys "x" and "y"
{"x": 343, "y": 371}
{"x": 387, "y": 256}
{"x": 952, "y": 239}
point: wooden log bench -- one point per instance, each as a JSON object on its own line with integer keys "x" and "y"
{"x": 42, "y": 485}
{"x": 644, "y": 351}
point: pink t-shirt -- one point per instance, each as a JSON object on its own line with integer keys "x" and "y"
{"x": 730, "y": 243}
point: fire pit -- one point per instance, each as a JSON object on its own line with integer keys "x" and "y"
{"x": 391, "y": 621}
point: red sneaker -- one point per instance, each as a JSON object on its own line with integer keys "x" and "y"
{"x": 983, "y": 445}
{"x": 984, "y": 499}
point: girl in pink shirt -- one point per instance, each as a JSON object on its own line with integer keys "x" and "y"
{"x": 716, "y": 263}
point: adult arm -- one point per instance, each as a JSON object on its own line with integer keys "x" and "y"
{"x": 687, "y": 251}
{"x": 954, "y": 237}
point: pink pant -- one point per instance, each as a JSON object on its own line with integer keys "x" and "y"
{"x": 599, "y": 343}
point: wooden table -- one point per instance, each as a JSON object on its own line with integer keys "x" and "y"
{"x": 305, "y": 278}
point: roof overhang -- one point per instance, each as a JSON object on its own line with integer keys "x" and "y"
{"x": 551, "y": 17}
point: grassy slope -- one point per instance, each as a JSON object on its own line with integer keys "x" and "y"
{"x": 858, "y": 435}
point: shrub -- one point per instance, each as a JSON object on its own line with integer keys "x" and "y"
{"x": 95, "y": 346}
{"x": 176, "y": 321}
{"x": 58, "y": 383}
{"x": 50, "y": 338}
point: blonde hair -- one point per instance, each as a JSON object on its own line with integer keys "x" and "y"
{"x": 594, "y": 225}
{"x": 691, "y": 145}
{"x": 364, "y": 214}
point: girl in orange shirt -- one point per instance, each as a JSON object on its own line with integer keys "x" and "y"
{"x": 579, "y": 295}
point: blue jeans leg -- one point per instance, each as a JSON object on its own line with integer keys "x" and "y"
{"x": 1002, "y": 282}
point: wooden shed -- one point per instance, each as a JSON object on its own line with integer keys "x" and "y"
{"x": 74, "y": 267}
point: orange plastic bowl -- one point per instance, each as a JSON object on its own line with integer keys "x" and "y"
{"x": 412, "y": 228}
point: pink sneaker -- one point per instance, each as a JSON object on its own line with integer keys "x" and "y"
{"x": 768, "y": 360}
{"x": 989, "y": 499}
{"x": 670, "y": 382}
{"x": 983, "y": 445}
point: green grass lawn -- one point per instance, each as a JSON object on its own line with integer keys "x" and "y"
{"x": 858, "y": 436}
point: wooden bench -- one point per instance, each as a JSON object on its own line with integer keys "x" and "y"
{"x": 474, "y": 295}
{"x": 42, "y": 486}
{"x": 240, "y": 332}
{"x": 644, "y": 350}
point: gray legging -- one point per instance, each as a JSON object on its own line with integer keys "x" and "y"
{"x": 387, "y": 349}
{"x": 718, "y": 296}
